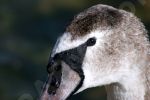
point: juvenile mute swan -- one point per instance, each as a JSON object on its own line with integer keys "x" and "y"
{"x": 103, "y": 46}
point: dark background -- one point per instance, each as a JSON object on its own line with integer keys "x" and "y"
{"x": 28, "y": 31}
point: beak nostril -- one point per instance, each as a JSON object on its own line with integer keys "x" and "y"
{"x": 53, "y": 86}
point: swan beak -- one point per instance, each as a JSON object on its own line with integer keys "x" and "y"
{"x": 60, "y": 90}
{"x": 65, "y": 74}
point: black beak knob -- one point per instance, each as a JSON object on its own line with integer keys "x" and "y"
{"x": 50, "y": 66}
{"x": 53, "y": 65}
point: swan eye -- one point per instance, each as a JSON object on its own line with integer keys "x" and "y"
{"x": 91, "y": 41}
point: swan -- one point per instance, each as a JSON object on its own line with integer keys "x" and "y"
{"x": 102, "y": 46}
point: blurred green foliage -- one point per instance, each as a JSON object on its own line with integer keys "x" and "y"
{"x": 28, "y": 31}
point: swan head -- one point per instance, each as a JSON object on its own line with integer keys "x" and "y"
{"x": 89, "y": 53}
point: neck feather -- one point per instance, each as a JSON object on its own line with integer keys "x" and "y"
{"x": 135, "y": 89}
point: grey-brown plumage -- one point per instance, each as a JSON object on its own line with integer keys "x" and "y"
{"x": 93, "y": 18}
